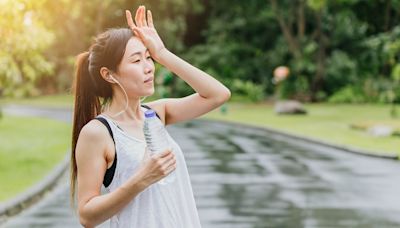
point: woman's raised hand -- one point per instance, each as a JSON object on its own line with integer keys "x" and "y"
{"x": 144, "y": 29}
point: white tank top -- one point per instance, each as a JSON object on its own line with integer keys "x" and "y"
{"x": 158, "y": 206}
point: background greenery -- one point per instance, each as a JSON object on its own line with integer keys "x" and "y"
{"x": 29, "y": 149}
{"x": 338, "y": 51}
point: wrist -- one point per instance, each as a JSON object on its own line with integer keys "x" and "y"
{"x": 139, "y": 181}
{"x": 162, "y": 55}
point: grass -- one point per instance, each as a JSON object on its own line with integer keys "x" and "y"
{"x": 325, "y": 122}
{"x": 53, "y": 101}
{"x": 29, "y": 149}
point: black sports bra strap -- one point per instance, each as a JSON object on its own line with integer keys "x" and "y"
{"x": 104, "y": 121}
{"x": 108, "y": 176}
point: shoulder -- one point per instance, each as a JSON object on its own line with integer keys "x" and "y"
{"x": 159, "y": 107}
{"x": 93, "y": 140}
{"x": 94, "y": 130}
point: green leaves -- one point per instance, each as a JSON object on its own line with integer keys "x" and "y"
{"x": 339, "y": 43}
{"x": 327, "y": 45}
{"x": 248, "y": 89}
{"x": 316, "y": 4}
{"x": 23, "y": 43}
{"x": 396, "y": 72}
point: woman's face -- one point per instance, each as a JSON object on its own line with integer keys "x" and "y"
{"x": 136, "y": 70}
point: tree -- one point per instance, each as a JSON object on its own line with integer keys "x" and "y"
{"x": 75, "y": 23}
{"x": 24, "y": 38}
{"x": 323, "y": 43}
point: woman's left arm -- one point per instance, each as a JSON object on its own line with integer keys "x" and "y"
{"x": 210, "y": 93}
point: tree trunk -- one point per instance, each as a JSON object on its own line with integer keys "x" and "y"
{"x": 286, "y": 30}
{"x": 301, "y": 24}
{"x": 386, "y": 26}
{"x": 317, "y": 82}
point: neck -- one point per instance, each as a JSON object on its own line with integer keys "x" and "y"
{"x": 121, "y": 112}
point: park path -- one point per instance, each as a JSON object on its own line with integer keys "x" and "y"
{"x": 246, "y": 177}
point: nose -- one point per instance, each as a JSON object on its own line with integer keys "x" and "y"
{"x": 148, "y": 68}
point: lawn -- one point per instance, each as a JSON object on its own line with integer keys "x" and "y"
{"x": 326, "y": 122}
{"x": 29, "y": 149}
{"x": 53, "y": 101}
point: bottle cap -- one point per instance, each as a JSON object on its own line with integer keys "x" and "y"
{"x": 149, "y": 113}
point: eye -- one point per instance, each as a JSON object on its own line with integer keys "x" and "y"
{"x": 149, "y": 57}
{"x": 136, "y": 61}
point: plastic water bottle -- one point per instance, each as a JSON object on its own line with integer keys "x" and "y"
{"x": 156, "y": 140}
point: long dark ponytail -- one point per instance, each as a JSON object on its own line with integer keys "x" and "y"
{"x": 91, "y": 91}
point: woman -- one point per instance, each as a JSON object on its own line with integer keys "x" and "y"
{"x": 118, "y": 70}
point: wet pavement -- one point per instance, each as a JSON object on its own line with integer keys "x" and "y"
{"x": 245, "y": 177}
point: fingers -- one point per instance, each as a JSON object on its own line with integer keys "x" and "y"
{"x": 150, "y": 19}
{"x": 129, "y": 19}
{"x": 169, "y": 163}
{"x": 140, "y": 17}
{"x": 170, "y": 166}
{"x": 130, "y": 22}
{"x": 143, "y": 16}
{"x": 138, "y": 21}
{"x": 164, "y": 154}
{"x": 169, "y": 158}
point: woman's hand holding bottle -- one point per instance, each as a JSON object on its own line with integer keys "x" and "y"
{"x": 156, "y": 167}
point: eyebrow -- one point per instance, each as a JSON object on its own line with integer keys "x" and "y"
{"x": 137, "y": 53}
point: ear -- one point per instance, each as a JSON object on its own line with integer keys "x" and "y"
{"x": 106, "y": 75}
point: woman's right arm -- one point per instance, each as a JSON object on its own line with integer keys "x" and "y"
{"x": 91, "y": 148}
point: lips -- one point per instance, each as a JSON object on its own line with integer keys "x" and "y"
{"x": 148, "y": 80}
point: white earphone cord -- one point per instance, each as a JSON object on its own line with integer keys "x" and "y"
{"x": 126, "y": 98}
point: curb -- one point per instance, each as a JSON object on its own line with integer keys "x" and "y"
{"x": 358, "y": 151}
{"x": 34, "y": 194}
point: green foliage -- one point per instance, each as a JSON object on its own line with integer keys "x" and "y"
{"x": 345, "y": 48}
{"x": 316, "y": 4}
{"x": 370, "y": 90}
{"x": 247, "y": 89}
{"x": 348, "y": 94}
{"x": 333, "y": 48}
{"x": 381, "y": 53}
{"x": 294, "y": 88}
{"x": 237, "y": 43}
{"x": 23, "y": 41}
{"x": 341, "y": 70}
{"x": 396, "y": 72}
{"x": 59, "y": 30}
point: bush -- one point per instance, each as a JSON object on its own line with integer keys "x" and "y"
{"x": 248, "y": 89}
{"x": 294, "y": 88}
{"x": 348, "y": 94}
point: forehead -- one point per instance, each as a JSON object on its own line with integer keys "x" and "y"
{"x": 134, "y": 45}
